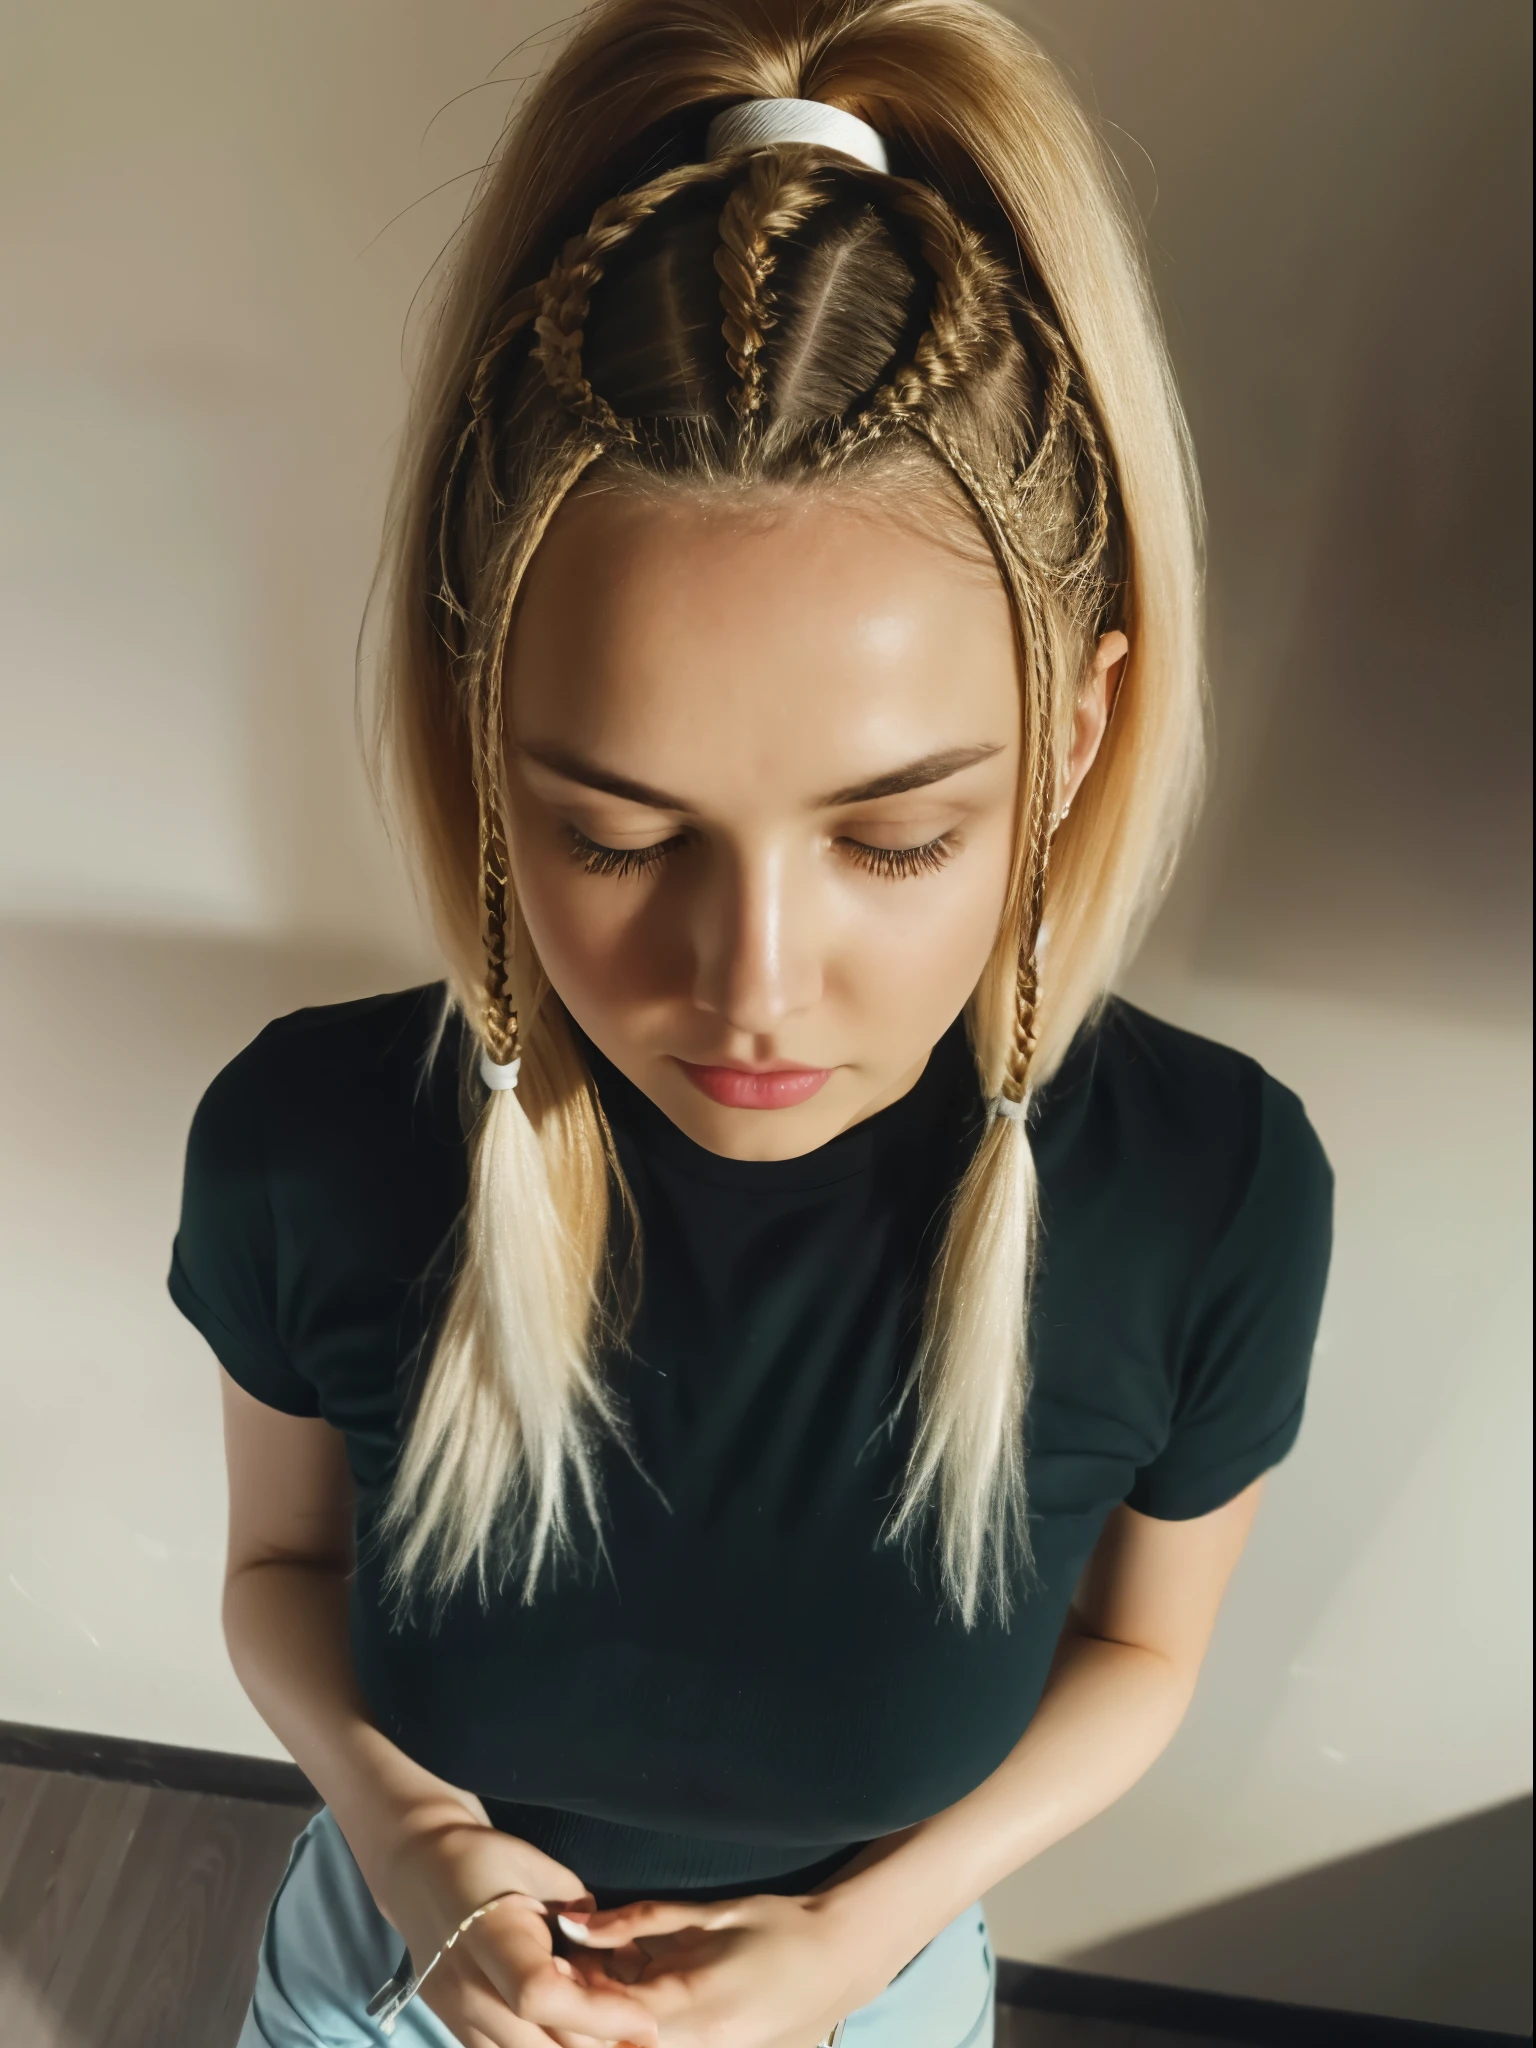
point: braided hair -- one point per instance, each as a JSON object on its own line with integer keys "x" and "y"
{"x": 778, "y": 316}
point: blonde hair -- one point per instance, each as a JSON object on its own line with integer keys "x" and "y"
{"x": 619, "y": 311}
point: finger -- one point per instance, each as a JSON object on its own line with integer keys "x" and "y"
{"x": 477, "y": 2015}
{"x": 566, "y": 2039}
{"x": 648, "y": 1917}
{"x": 503, "y": 2010}
{"x": 602, "y": 1965}
{"x": 547, "y": 1991}
{"x": 671, "y": 1997}
{"x": 610, "y": 2013}
{"x": 474, "y": 2012}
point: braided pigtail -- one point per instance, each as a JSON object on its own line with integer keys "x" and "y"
{"x": 965, "y": 1472}
{"x": 500, "y": 1463}
{"x": 502, "y": 1451}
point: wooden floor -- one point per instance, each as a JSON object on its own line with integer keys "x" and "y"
{"x": 129, "y": 1918}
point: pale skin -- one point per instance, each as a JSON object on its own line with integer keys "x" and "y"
{"x": 763, "y": 764}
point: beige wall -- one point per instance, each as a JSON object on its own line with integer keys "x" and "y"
{"x": 213, "y": 223}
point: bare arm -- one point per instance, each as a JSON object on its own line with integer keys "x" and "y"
{"x": 285, "y": 1620}
{"x": 425, "y": 1847}
{"x": 1121, "y": 1682}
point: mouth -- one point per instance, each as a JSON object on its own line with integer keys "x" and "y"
{"x": 756, "y": 1087}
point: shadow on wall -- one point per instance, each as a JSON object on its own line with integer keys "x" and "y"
{"x": 111, "y": 1479}
{"x": 1434, "y": 1927}
{"x": 1383, "y": 843}
{"x": 168, "y": 1009}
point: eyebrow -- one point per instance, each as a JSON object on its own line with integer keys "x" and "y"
{"x": 915, "y": 775}
{"x": 919, "y": 774}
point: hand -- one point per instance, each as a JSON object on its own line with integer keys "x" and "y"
{"x": 501, "y": 1985}
{"x": 762, "y": 1972}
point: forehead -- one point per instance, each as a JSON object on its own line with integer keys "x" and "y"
{"x": 779, "y": 635}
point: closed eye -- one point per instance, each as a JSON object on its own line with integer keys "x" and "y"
{"x": 890, "y": 863}
{"x": 593, "y": 858}
{"x": 900, "y": 863}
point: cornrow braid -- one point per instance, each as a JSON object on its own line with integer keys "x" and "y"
{"x": 974, "y": 309}
{"x": 557, "y": 307}
{"x": 967, "y": 316}
{"x": 776, "y": 195}
{"x": 477, "y": 433}
{"x": 566, "y": 292}
{"x": 1067, "y": 411}
{"x": 970, "y": 316}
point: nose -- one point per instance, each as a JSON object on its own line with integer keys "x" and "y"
{"x": 757, "y": 961}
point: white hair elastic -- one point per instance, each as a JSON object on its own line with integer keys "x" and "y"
{"x": 755, "y": 123}
{"x": 498, "y": 1078}
{"x": 1016, "y": 1112}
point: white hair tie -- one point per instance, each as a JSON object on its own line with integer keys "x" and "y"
{"x": 498, "y": 1078}
{"x": 1016, "y": 1112}
{"x": 755, "y": 123}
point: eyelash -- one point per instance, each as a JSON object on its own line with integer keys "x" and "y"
{"x": 593, "y": 858}
{"x": 901, "y": 863}
{"x": 890, "y": 863}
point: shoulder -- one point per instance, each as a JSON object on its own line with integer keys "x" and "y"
{"x": 1205, "y": 1108}
{"x": 324, "y": 1061}
{"x": 323, "y": 1096}
{"x": 1218, "y": 1196}
{"x": 325, "y": 1157}
{"x": 328, "y": 1046}
{"x": 1188, "y": 1087}
{"x": 1177, "y": 1147}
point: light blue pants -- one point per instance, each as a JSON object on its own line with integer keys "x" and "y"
{"x": 327, "y": 1948}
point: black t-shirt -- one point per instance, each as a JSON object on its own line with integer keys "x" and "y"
{"x": 755, "y": 1680}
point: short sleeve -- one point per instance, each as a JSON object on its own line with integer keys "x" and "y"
{"x": 224, "y": 1263}
{"x": 1249, "y": 1338}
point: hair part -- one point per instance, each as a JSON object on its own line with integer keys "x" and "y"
{"x": 622, "y": 315}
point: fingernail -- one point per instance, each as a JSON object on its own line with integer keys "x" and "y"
{"x": 569, "y": 1924}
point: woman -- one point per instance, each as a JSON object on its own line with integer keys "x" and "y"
{"x": 778, "y": 1364}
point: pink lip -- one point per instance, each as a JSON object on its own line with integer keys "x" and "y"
{"x": 760, "y": 1088}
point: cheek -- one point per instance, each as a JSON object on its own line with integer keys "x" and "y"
{"x": 914, "y": 951}
{"x": 595, "y": 940}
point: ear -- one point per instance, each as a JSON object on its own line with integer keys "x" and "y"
{"x": 1091, "y": 717}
